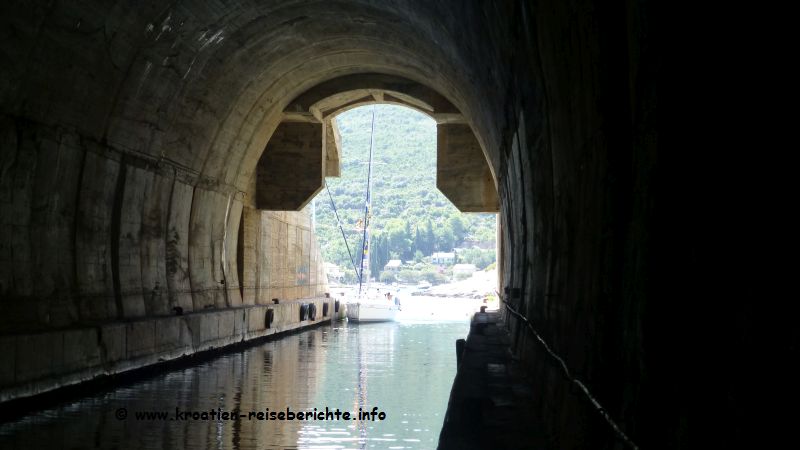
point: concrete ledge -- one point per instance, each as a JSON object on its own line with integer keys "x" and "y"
{"x": 489, "y": 402}
{"x": 32, "y": 364}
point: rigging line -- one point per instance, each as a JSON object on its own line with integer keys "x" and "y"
{"x": 592, "y": 399}
{"x": 364, "y": 245}
{"x": 344, "y": 237}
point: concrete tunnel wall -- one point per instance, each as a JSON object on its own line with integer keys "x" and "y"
{"x": 113, "y": 111}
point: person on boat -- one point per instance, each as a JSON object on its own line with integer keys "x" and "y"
{"x": 396, "y": 300}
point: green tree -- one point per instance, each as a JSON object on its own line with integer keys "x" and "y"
{"x": 387, "y": 276}
{"x": 350, "y": 276}
{"x": 480, "y": 258}
{"x": 404, "y": 189}
{"x": 399, "y": 238}
{"x": 419, "y": 245}
{"x": 458, "y": 226}
{"x": 379, "y": 254}
{"x": 430, "y": 237}
{"x": 408, "y": 276}
{"x": 445, "y": 240}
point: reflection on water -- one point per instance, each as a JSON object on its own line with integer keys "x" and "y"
{"x": 404, "y": 369}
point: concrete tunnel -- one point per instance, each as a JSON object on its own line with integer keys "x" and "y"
{"x": 158, "y": 156}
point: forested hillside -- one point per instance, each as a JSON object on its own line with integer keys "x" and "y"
{"x": 410, "y": 218}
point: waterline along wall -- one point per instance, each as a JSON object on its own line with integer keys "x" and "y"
{"x": 176, "y": 290}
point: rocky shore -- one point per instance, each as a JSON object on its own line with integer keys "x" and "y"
{"x": 479, "y": 286}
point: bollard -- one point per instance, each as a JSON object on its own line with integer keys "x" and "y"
{"x": 312, "y": 311}
{"x": 460, "y": 345}
{"x": 303, "y": 312}
{"x": 268, "y": 318}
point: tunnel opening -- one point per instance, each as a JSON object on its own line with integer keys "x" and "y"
{"x": 416, "y": 231}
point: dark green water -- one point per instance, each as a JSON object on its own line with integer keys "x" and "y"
{"x": 404, "y": 369}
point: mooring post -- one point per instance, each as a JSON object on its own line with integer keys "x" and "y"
{"x": 460, "y": 345}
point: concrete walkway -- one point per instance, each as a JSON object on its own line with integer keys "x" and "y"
{"x": 487, "y": 408}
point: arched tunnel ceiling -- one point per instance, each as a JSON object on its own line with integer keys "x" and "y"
{"x": 160, "y": 114}
{"x": 202, "y": 85}
{"x": 339, "y": 94}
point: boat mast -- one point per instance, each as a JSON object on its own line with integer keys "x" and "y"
{"x": 365, "y": 243}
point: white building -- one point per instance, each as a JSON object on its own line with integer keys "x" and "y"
{"x": 393, "y": 264}
{"x": 443, "y": 259}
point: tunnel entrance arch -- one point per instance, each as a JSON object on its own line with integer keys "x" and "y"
{"x": 305, "y": 146}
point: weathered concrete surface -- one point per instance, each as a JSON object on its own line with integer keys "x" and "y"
{"x": 39, "y": 362}
{"x": 109, "y": 237}
{"x": 292, "y": 168}
{"x": 281, "y": 257}
{"x": 332, "y": 96}
{"x": 490, "y": 403}
{"x": 462, "y": 173}
{"x": 333, "y": 148}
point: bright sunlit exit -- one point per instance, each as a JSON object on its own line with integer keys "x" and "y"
{"x": 419, "y": 243}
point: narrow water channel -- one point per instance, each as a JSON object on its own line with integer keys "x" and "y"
{"x": 404, "y": 369}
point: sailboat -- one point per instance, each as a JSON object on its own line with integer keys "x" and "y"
{"x": 366, "y": 306}
{"x": 371, "y": 310}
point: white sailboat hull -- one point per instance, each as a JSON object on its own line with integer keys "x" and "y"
{"x": 371, "y": 312}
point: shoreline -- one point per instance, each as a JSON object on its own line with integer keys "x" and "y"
{"x": 480, "y": 286}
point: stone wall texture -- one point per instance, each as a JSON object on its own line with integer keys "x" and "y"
{"x": 99, "y": 247}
